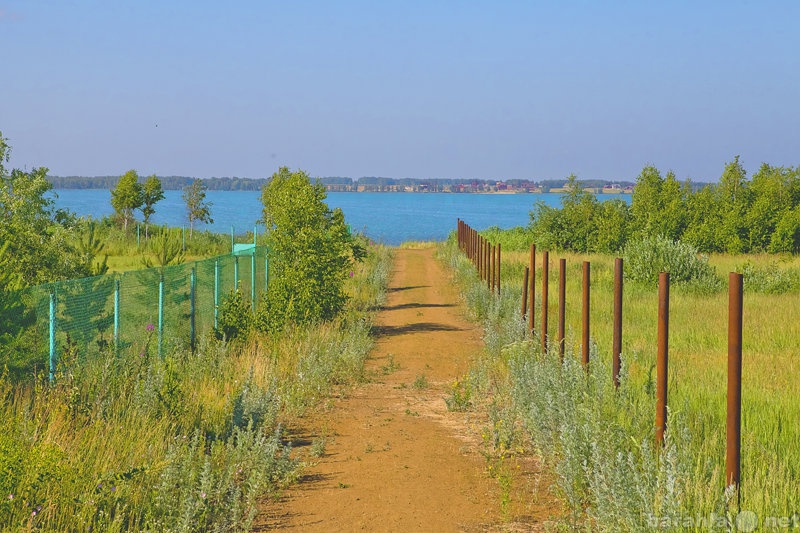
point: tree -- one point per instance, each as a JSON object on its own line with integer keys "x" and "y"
{"x": 197, "y": 208}
{"x": 126, "y": 197}
{"x": 152, "y": 192}
{"x": 733, "y": 199}
{"x": 311, "y": 251}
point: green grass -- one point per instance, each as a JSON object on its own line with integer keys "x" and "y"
{"x": 602, "y": 449}
{"x": 189, "y": 442}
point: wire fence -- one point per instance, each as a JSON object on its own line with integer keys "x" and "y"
{"x": 155, "y": 310}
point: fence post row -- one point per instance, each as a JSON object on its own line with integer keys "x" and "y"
{"x": 487, "y": 261}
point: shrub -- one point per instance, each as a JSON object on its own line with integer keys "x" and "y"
{"x": 311, "y": 249}
{"x": 645, "y": 258}
{"x": 235, "y": 317}
{"x": 770, "y": 279}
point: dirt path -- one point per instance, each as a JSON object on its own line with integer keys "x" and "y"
{"x": 395, "y": 459}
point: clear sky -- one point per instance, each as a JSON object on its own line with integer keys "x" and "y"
{"x": 421, "y": 89}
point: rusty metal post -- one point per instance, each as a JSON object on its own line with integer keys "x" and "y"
{"x": 586, "y": 294}
{"x": 545, "y": 273}
{"x": 497, "y": 268}
{"x": 616, "y": 342}
{"x": 562, "y": 305}
{"x": 525, "y": 292}
{"x": 479, "y": 257}
{"x": 488, "y": 259}
{"x": 532, "y": 292}
{"x": 662, "y": 357}
{"x": 493, "y": 265}
{"x": 734, "y": 419}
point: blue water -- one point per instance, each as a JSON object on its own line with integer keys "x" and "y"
{"x": 390, "y": 218}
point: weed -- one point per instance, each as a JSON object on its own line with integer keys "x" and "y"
{"x": 318, "y": 446}
{"x": 390, "y": 366}
{"x": 421, "y": 382}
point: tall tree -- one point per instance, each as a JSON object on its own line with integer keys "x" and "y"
{"x": 127, "y": 196}
{"x": 152, "y": 193}
{"x": 198, "y": 209}
{"x": 312, "y": 251}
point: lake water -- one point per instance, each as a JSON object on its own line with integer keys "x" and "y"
{"x": 390, "y": 218}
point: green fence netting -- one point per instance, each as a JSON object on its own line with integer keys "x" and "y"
{"x": 156, "y": 310}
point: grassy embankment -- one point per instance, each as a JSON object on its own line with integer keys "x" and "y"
{"x": 184, "y": 443}
{"x": 600, "y": 443}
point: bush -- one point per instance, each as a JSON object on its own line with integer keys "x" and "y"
{"x": 235, "y": 317}
{"x": 770, "y": 279}
{"x": 645, "y": 258}
{"x": 311, "y": 249}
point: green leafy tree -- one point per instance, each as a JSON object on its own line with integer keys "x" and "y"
{"x": 786, "y": 237}
{"x": 198, "y": 209}
{"x": 703, "y": 219}
{"x": 311, "y": 251}
{"x": 733, "y": 201}
{"x": 166, "y": 249}
{"x": 89, "y": 248}
{"x": 152, "y": 193}
{"x": 127, "y": 197}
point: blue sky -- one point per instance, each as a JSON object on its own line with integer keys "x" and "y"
{"x": 425, "y": 89}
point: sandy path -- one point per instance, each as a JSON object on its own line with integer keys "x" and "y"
{"x": 395, "y": 458}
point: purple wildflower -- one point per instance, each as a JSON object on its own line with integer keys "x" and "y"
{"x": 150, "y": 327}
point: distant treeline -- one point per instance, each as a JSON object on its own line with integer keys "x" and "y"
{"x": 735, "y": 215}
{"x": 249, "y": 184}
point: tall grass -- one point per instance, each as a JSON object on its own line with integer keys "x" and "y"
{"x": 600, "y": 443}
{"x": 189, "y": 442}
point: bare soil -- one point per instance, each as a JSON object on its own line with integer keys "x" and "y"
{"x": 395, "y": 459}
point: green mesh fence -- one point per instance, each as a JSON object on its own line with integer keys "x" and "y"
{"x": 152, "y": 311}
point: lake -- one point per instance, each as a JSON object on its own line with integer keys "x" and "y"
{"x": 390, "y": 218}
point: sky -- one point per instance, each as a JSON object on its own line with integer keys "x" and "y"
{"x": 411, "y": 89}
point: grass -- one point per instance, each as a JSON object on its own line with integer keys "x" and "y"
{"x": 600, "y": 443}
{"x": 187, "y": 442}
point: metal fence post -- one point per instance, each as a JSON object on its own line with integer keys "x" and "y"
{"x": 253, "y": 279}
{"x": 161, "y": 316}
{"x": 662, "y": 365}
{"x": 236, "y": 272}
{"x": 216, "y": 294}
{"x": 116, "y": 316}
{"x": 545, "y": 275}
{"x": 525, "y": 292}
{"x": 192, "y": 308}
{"x": 532, "y": 290}
{"x": 52, "y": 336}
{"x": 734, "y": 417}
{"x": 586, "y": 315}
{"x": 616, "y": 344}
{"x": 498, "y": 264}
{"x": 233, "y": 238}
{"x": 562, "y": 305}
